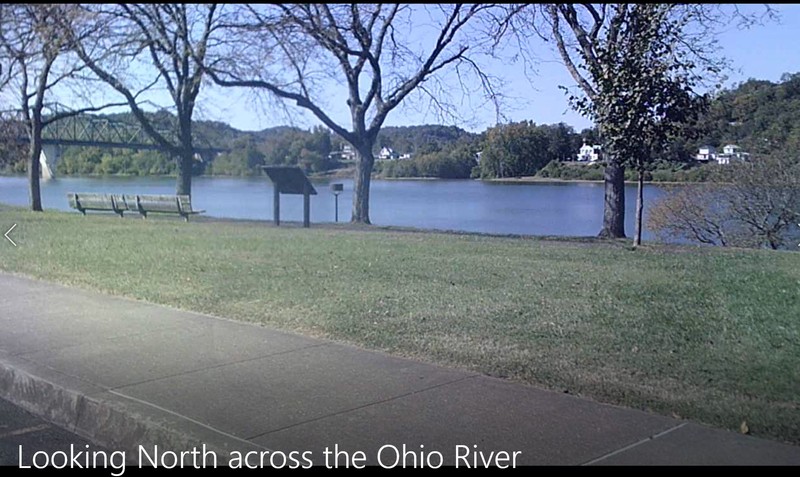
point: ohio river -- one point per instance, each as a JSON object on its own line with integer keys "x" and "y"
{"x": 560, "y": 209}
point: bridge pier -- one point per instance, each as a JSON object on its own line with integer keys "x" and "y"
{"x": 48, "y": 159}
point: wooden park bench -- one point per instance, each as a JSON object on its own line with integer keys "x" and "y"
{"x": 143, "y": 204}
{"x": 102, "y": 202}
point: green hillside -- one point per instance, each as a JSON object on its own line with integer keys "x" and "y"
{"x": 760, "y": 116}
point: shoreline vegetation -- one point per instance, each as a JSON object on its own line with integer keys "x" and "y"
{"x": 348, "y": 174}
{"x": 758, "y": 116}
{"x": 700, "y": 333}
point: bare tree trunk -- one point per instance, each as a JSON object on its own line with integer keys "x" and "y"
{"x": 184, "y": 180}
{"x": 185, "y": 156}
{"x": 361, "y": 184}
{"x": 34, "y": 169}
{"x": 614, "y": 209}
{"x": 637, "y": 237}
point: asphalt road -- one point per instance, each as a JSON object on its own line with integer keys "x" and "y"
{"x": 21, "y": 428}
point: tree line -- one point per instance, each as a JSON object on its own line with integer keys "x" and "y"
{"x": 761, "y": 116}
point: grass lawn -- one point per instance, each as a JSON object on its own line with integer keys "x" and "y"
{"x": 712, "y": 335}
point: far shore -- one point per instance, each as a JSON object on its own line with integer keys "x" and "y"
{"x": 347, "y": 175}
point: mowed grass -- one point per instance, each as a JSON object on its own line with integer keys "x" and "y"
{"x": 712, "y": 335}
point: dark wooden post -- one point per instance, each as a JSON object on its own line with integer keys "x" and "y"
{"x": 306, "y": 207}
{"x": 276, "y": 205}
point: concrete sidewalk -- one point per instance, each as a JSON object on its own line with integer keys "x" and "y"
{"x": 124, "y": 373}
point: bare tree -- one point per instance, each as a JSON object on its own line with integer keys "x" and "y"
{"x": 379, "y": 53}
{"x": 174, "y": 38}
{"x": 38, "y": 61}
{"x": 692, "y": 213}
{"x": 748, "y": 204}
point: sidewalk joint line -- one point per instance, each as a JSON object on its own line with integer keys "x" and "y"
{"x": 363, "y": 406}
{"x": 181, "y": 416}
{"x": 635, "y": 444}
{"x": 217, "y": 366}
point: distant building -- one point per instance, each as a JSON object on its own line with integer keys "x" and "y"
{"x": 590, "y": 153}
{"x": 706, "y": 153}
{"x": 405, "y": 157}
{"x": 387, "y": 153}
{"x": 348, "y": 153}
{"x": 730, "y": 152}
{"x": 345, "y": 154}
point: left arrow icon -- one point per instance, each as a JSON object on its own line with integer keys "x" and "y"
{"x": 9, "y": 238}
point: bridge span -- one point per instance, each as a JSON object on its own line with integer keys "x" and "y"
{"x": 87, "y": 130}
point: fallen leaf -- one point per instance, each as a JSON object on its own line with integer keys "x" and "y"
{"x": 744, "y": 429}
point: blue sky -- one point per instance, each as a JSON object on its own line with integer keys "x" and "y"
{"x": 761, "y": 52}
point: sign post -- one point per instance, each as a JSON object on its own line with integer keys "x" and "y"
{"x": 290, "y": 180}
{"x": 337, "y": 189}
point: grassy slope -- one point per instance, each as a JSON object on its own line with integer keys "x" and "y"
{"x": 707, "y": 334}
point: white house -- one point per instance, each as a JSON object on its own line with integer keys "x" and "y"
{"x": 589, "y": 153}
{"x": 706, "y": 153}
{"x": 346, "y": 154}
{"x": 386, "y": 153}
{"x": 405, "y": 157}
{"x": 732, "y": 152}
{"x": 729, "y": 152}
{"x": 731, "y": 149}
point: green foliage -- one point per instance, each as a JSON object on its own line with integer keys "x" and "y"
{"x": 291, "y": 146}
{"x": 521, "y": 149}
{"x": 94, "y": 160}
{"x": 248, "y": 151}
{"x": 661, "y": 171}
{"x": 244, "y": 159}
{"x": 12, "y": 152}
{"x": 397, "y": 168}
{"x": 457, "y": 163}
{"x": 644, "y": 85}
{"x": 761, "y": 116}
{"x": 424, "y": 139}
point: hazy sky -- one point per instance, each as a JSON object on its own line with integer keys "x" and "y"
{"x": 761, "y": 52}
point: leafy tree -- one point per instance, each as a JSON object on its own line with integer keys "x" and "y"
{"x": 243, "y": 160}
{"x": 643, "y": 91}
{"x": 580, "y": 31}
{"x": 456, "y": 163}
{"x": 516, "y": 149}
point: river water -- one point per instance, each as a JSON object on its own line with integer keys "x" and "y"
{"x": 562, "y": 209}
